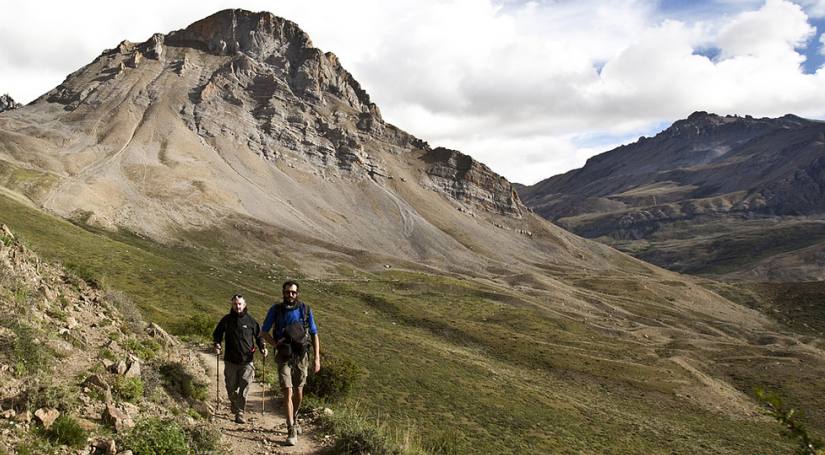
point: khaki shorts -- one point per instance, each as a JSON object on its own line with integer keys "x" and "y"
{"x": 293, "y": 373}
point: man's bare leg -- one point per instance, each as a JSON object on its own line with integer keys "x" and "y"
{"x": 288, "y": 406}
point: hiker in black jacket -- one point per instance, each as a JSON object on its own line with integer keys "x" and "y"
{"x": 242, "y": 333}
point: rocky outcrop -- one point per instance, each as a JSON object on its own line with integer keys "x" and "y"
{"x": 54, "y": 367}
{"x": 7, "y": 103}
{"x": 471, "y": 182}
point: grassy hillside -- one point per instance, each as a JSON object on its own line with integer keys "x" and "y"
{"x": 471, "y": 366}
{"x": 716, "y": 246}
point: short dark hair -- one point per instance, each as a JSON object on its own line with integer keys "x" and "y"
{"x": 290, "y": 283}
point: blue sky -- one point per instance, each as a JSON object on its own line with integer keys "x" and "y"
{"x": 531, "y": 88}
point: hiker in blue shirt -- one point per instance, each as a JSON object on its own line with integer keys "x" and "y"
{"x": 293, "y": 328}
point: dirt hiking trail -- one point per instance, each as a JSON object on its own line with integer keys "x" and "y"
{"x": 262, "y": 433}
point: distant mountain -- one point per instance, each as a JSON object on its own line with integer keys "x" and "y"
{"x": 710, "y": 194}
{"x": 7, "y": 103}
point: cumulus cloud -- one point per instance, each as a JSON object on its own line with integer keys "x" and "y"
{"x": 814, "y": 8}
{"x": 515, "y": 84}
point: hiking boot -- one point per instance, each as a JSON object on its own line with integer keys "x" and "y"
{"x": 239, "y": 418}
{"x": 292, "y": 439}
{"x": 297, "y": 426}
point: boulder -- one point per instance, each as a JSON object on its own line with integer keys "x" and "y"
{"x": 7, "y": 232}
{"x": 119, "y": 368}
{"x": 155, "y": 331}
{"x": 133, "y": 371}
{"x": 96, "y": 381}
{"x": 47, "y": 416}
{"x": 117, "y": 418}
{"x": 106, "y": 446}
{"x": 86, "y": 424}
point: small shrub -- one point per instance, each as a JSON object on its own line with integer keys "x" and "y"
{"x": 203, "y": 439}
{"x": 198, "y": 327}
{"x": 30, "y": 354}
{"x": 66, "y": 431}
{"x": 127, "y": 309}
{"x": 179, "y": 382}
{"x": 357, "y": 435}
{"x": 34, "y": 447}
{"x": 153, "y": 436}
{"x": 48, "y": 395}
{"x": 794, "y": 429}
{"x": 129, "y": 389}
{"x": 145, "y": 349}
{"x": 6, "y": 239}
{"x": 106, "y": 353}
{"x": 335, "y": 380}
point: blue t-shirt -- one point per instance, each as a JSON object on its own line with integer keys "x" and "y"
{"x": 288, "y": 317}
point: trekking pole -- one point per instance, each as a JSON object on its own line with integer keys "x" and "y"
{"x": 217, "y": 383}
{"x": 263, "y": 386}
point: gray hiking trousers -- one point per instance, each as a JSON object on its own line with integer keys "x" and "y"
{"x": 237, "y": 379}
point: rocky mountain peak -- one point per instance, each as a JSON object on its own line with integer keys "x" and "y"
{"x": 7, "y": 103}
{"x": 239, "y": 31}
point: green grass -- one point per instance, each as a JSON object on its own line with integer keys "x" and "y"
{"x": 714, "y": 246}
{"x": 66, "y": 431}
{"x": 488, "y": 362}
{"x": 153, "y": 436}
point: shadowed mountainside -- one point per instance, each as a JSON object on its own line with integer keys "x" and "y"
{"x": 741, "y": 197}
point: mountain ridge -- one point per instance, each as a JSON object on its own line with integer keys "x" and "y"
{"x": 705, "y": 168}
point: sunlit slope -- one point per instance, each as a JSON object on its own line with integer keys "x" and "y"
{"x": 512, "y": 368}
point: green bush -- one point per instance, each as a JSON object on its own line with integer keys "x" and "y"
{"x": 30, "y": 354}
{"x": 147, "y": 349}
{"x": 127, "y": 308}
{"x": 198, "y": 326}
{"x": 129, "y": 389}
{"x": 33, "y": 447}
{"x": 179, "y": 382}
{"x": 66, "y": 431}
{"x": 794, "y": 429}
{"x": 356, "y": 435}
{"x": 106, "y": 353}
{"x": 5, "y": 239}
{"x": 153, "y": 436}
{"x": 48, "y": 395}
{"x": 203, "y": 439}
{"x": 335, "y": 380}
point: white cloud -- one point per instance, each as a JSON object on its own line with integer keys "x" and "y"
{"x": 775, "y": 29}
{"x": 511, "y": 83}
{"x": 814, "y": 8}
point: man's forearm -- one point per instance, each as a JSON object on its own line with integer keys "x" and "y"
{"x": 317, "y": 344}
{"x": 266, "y": 336}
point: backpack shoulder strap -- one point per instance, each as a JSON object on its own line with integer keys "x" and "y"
{"x": 304, "y": 315}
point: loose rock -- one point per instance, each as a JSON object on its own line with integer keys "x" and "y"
{"x": 47, "y": 416}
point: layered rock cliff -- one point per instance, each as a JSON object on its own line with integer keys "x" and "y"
{"x": 7, "y": 103}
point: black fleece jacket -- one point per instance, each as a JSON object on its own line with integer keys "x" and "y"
{"x": 242, "y": 333}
